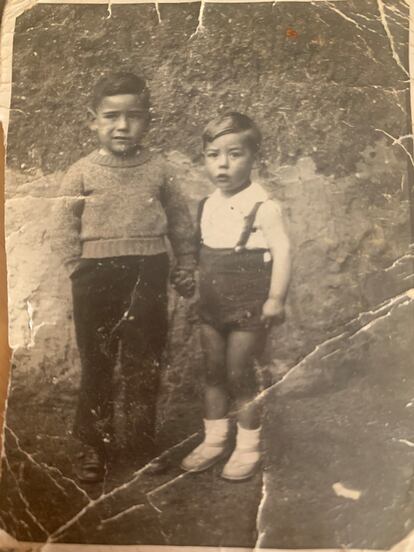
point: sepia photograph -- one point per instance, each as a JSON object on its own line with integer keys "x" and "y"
{"x": 209, "y": 221}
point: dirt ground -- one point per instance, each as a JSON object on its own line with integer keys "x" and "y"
{"x": 337, "y": 468}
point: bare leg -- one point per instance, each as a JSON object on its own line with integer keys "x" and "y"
{"x": 216, "y": 423}
{"x": 215, "y": 394}
{"x": 242, "y": 348}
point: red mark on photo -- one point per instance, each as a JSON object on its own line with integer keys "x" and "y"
{"x": 291, "y": 33}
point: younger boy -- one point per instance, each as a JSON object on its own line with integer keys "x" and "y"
{"x": 130, "y": 203}
{"x": 244, "y": 279}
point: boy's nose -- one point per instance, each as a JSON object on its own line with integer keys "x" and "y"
{"x": 122, "y": 123}
{"x": 223, "y": 162}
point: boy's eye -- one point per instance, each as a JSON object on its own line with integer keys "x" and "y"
{"x": 211, "y": 154}
{"x": 236, "y": 154}
{"x": 136, "y": 115}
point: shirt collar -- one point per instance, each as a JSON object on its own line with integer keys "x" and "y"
{"x": 254, "y": 192}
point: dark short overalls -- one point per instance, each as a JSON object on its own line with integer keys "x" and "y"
{"x": 234, "y": 283}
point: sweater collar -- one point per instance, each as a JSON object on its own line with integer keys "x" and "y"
{"x": 109, "y": 160}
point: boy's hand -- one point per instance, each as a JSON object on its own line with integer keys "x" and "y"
{"x": 183, "y": 281}
{"x": 273, "y": 311}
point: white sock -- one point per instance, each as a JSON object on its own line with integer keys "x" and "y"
{"x": 216, "y": 431}
{"x": 248, "y": 439}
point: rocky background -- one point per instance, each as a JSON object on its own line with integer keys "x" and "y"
{"x": 328, "y": 85}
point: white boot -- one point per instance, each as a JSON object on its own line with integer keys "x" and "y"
{"x": 245, "y": 459}
{"x": 211, "y": 449}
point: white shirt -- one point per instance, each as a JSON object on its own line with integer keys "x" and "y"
{"x": 223, "y": 218}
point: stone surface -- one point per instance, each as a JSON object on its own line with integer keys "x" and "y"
{"x": 327, "y": 84}
{"x": 357, "y": 431}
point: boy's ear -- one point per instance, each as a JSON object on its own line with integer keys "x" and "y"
{"x": 91, "y": 118}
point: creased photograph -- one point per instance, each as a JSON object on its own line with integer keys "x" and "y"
{"x": 209, "y": 238}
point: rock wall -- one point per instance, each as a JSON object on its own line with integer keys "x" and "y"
{"x": 329, "y": 98}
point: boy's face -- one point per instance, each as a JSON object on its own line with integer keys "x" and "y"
{"x": 121, "y": 122}
{"x": 229, "y": 161}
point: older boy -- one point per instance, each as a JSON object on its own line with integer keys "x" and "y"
{"x": 130, "y": 204}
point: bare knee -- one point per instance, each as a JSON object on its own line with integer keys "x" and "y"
{"x": 214, "y": 350}
{"x": 215, "y": 372}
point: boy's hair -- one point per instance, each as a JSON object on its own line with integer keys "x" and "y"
{"x": 233, "y": 122}
{"x": 120, "y": 83}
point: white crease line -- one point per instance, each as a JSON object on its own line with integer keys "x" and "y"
{"x": 42, "y": 466}
{"x": 397, "y": 141}
{"x": 399, "y": 260}
{"x": 261, "y": 532}
{"x": 400, "y": 300}
{"x": 27, "y": 507}
{"x": 167, "y": 484}
{"x": 58, "y": 532}
{"x": 157, "y": 9}
{"x": 406, "y": 442}
{"x": 349, "y": 19}
{"x": 200, "y": 25}
{"x": 390, "y": 37}
{"x": 123, "y": 513}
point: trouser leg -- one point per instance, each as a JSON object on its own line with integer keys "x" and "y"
{"x": 95, "y": 307}
{"x": 143, "y": 340}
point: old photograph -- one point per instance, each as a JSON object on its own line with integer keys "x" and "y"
{"x": 209, "y": 236}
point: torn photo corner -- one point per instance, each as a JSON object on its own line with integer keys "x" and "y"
{"x": 111, "y": 362}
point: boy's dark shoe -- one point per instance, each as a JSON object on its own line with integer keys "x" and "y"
{"x": 92, "y": 465}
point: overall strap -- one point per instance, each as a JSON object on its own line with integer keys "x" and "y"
{"x": 248, "y": 227}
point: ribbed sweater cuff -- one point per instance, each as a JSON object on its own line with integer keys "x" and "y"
{"x": 186, "y": 261}
{"x": 100, "y": 249}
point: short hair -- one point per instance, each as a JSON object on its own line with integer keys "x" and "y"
{"x": 120, "y": 83}
{"x": 233, "y": 122}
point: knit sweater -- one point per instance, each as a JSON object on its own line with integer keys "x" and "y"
{"x": 128, "y": 206}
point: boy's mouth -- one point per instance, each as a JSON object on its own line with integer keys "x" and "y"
{"x": 222, "y": 177}
{"x": 121, "y": 139}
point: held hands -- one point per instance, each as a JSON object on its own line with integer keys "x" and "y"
{"x": 273, "y": 311}
{"x": 183, "y": 281}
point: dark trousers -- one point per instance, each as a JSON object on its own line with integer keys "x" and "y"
{"x": 120, "y": 307}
